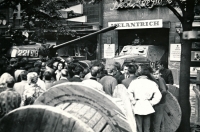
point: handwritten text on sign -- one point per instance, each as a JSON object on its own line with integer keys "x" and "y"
{"x": 175, "y": 52}
{"x": 157, "y": 23}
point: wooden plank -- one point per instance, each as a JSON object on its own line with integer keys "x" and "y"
{"x": 71, "y": 107}
{"x": 98, "y": 101}
{"x": 63, "y": 106}
{"x": 93, "y": 121}
{"x": 173, "y": 90}
{"x": 88, "y": 115}
{"x": 172, "y": 114}
{"x": 107, "y": 129}
{"x": 49, "y": 121}
{"x": 34, "y": 117}
{"x": 82, "y": 112}
{"x": 100, "y": 125}
{"x": 122, "y": 93}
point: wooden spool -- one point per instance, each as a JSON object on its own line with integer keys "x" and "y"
{"x": 40, "y": 118}
{"x": 172, "y": 114}
{"x": 92, "y": 107}
{"x": 173, "y": 90}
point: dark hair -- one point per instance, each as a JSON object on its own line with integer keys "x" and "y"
{"x": 78, "y": 69}
{"x": 163, "y": 63}
{"x": 145, "y": 70}
{"x": 23, "y": 75}
{"x": 118, "y": 66}
{"x": 132, "y": 68}
{"x": 10, "y": 82}
{"x": 47, "y": 75}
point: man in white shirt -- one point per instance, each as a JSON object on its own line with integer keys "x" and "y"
{"x": 19, "y": 87}
{"x": 92, "y": 81}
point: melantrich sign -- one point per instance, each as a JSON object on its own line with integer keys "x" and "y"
{"x": 139, "y": 3}
{"x": 157, "y": 23}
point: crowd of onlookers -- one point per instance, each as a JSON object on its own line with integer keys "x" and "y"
{"x": 21, "y": 83}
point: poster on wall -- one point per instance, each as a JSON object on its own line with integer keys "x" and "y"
{"x": 109, "y": 50}
{"x": 195, "y": 56}
{"x": 175, "y": 52}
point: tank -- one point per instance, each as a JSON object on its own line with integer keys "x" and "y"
{"x": 142, "y": 53}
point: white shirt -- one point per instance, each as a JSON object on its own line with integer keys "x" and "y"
{"x": 93, "y": 83}
{"x": 146, "y": 94}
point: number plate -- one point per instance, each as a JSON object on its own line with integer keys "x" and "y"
{"x": 27, "y": 52}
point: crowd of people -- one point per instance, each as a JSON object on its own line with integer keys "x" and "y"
{"x": 21, "y": 83}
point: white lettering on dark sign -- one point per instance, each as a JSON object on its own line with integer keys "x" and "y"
{"x": 137, "y": 24}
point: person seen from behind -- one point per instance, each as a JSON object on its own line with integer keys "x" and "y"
{"x": 146, "y": 94}
{"x": 9, "y": 99}
{"x": 108, "y": 81}
{"x": 32, "y": 89}
{"x": 92, "y": 82}
{"x": 20, "y": 86}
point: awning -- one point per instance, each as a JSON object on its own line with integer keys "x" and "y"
{"x": 86, "y": 36}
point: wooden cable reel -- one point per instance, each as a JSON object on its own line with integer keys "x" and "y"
{"x": 91, "y": 106}
{"x": 40, "y": 118}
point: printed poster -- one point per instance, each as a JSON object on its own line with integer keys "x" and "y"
{"x": 175, "y": 52}
{"x": 109, "y": 50}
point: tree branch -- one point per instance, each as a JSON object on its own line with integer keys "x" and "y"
{"x": 175, "y": 12}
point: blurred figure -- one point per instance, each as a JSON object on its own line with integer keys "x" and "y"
{"x": 20, "y": 86}
{"x": 108, "y": 81}
{"x": 32, "y": 90}
{"x": 118, "y": 73}
{"x": 92, "y": 82}
{"x": 58, "y": 71}
{"x": 166, "y": 73}
{"x": 48, "y": 79}
{"x": 4, "y": 77}
{"x": 131, "y": 70}
{"x": 77, "y": 72}
{"x": 9, "y": 99}
{"x": 63, "y": 79}
{"x": 146, "y": 94}
{"x": 158, "y": 116}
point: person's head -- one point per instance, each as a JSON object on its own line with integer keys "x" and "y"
{"x": 43, "y": 66}
{"x": 10, "y": 82}
{"x": 78, "y": 69}
{"x": 156, "y": 74}
{"x": 125, "y": 69}
{"x": 118, "y": 66}
{"x": 69, "y": 59}
{"x": 38, "y": 64}
{"x": 23, "y": 75}
{"x": 111, "y": 69}
{"x": 64, "y": 73}
{"x": 94, "y": 71}
{"x": 47, "y": 75}
{"x": 32, "y": 78}
{"x": 132, "y": 68}
{"x": 161, "y": 65}
{"x": 60, "y": 66}
{"x": 55, "y": 65}
{"x": 144, "y": 70}
{"x": 4, "y": 78}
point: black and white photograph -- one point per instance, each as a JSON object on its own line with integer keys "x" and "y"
{"x": 99, "y": 65}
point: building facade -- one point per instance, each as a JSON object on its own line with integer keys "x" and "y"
{"x": 156, "y": 26}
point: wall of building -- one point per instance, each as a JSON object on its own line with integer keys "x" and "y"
{"x": 163, "y": 13}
